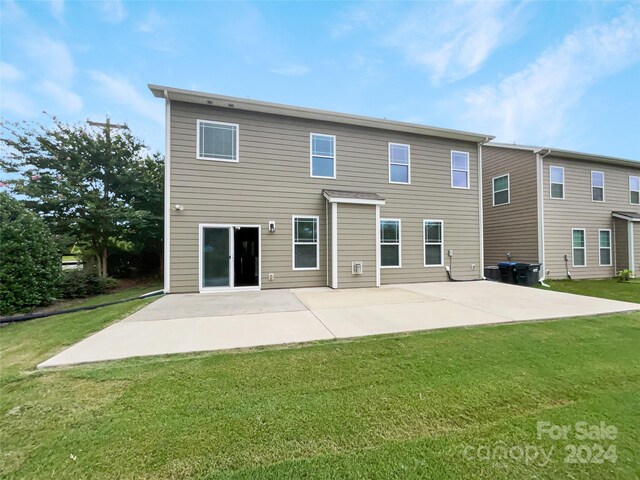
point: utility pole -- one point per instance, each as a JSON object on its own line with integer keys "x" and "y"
{"x": 106, "y": 126}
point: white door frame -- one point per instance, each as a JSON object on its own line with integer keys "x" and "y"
{"x": 230, "y": 288}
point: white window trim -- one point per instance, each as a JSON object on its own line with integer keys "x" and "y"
{"x": 335, "y": 155}
{"x": 293, "y": 243}
{"x": 600, "y": 248}
{"x": 459, "y": 170}
{"x": 198, "y": 157}
{"x": 424, "y": 243}
{"x": 399, "y": 242}
{"x": 408, "y": 164}
{"x": 508, "y": 189}
{"x": 556, "y": 183}
{"x": 593, "y": 186}
{"x": 573, "y": 258}
{"x": 631, "y": 190}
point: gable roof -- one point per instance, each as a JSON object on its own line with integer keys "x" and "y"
{"x": 346, "y": 196}
{"x": 630, "y": 216}
{"x": 201, "y": 98}
{"x": 556, "y": 152}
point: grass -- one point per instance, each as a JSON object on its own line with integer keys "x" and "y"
{"x": 401, "y": 406}
{"x": 606, "y": 288}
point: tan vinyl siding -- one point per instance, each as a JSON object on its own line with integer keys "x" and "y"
{"x": 621, "y": 243}
{"x": 511, "y": 227}
{"x": 271, "y": 181}
{"x": 356, "y": 242}
{"x": 577, "y": 210}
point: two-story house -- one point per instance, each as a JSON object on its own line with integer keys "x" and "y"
{"x": 261, "y": 195}
{"x": 577, "y": 214}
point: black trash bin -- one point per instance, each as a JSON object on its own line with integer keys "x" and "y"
{"x": 527, "y": 273}
{"x": 492, "y": 272}
{"x": 507, "y": 272}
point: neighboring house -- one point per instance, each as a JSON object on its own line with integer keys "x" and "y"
{"x": 577, "y": 214}
{"x": 261, "y": 195}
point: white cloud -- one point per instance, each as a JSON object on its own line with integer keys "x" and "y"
{"x": 53, "y": 58}
{"x": 120, "y": 90}
{"x": 453, "y": 40}
{"x": 64, "y": 97}
{"x": 17, "y": 102}
{"x": 9, "y": 73}
{"x": 113, "y": 11}
{"x": 291, "y": 70}
{"x": 57, "y": 10}
{"x": 151, "y": 23}
{"x": 533, "y": 105}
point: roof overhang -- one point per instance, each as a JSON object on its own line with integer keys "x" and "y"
{"x": 214, "y": 100}
{"x": 629, "y": 216}
{"x": 362, "y": 198}
{"x": 568, "y": 154}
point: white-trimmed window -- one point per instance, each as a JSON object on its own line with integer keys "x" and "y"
{"x": 390, "y": 249}
{"x": 634, "y": 190}
{"x": 217, "y": 141}
{"x": 323, "y": 155}
{"x": 501, "y": 194}
{"x": 556, "y": 182}
{"x": 605, "y": 247}
{"x": 459, "y": 169}
{"x": 597, "y": 186}
{"x": 399, "y": 163}
{"x": 433, "y": 243}
{"x": 306, "y": 248}
{"x": 578, "y": 247}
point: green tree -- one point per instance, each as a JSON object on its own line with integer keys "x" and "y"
{"x": 88, "y": 183}
{"x": 30, "y": 265}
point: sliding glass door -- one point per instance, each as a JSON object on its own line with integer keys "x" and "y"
{"x": 216, "y": 257}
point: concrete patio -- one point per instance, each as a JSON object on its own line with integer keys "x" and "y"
{"x": 207, "y": 322}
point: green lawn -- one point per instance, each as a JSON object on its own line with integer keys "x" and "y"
{"x": 608, "y": 288}
{"x": 401, "y": 406}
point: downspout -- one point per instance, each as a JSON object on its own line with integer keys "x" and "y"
{"x": 480, "y": 208}
{"x": 167, "y": 195}
{"x": 540, "y": 195}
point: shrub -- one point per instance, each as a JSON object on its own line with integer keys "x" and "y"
{"x": 84, "y": 283}
{"x": 624, "y": 275}
{"x": 29, "y": 259}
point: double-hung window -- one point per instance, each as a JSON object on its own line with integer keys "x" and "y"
{"x": 578, "y": 246}
{"x": 459, "y": 169}
{"x": 556, "y": 182}
{"x": 217, "y": 141}
{"x": 597, "y": 186}
{"x": 634, "y": 190}
{"x": 323, "y": 155}
{"x": 306, "y": 251}
{"x": 605, "y": 247}
{"x": 399, "y": 163}
{"x": 433, "y": 243}
{"x": 501, "y": 190}
{"x": 390, "y": 255}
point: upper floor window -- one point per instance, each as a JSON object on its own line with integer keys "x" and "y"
{"x": 597, "y": 186}
{"x": 459, "y": 169}
{"x": 433, "y": 244}
{"x": 556, "y": 180}
{"x": 323, "y": 155}
{"x": 399, "y": 160}
{"x": 217, "y": 141}
{"x": 634, "y": 190}
{"x": 390, "y": 243}
{"x": 306, "y": 251}
{"x": 501, "y": 190}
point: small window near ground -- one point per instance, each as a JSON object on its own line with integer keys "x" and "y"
{"x": 634, "y": 190}
{"x": 217, "y": 141}
{"x": 605, "y": 248}
{"x": 501, "y": 190}
{"x": 556, "y": 179}
{"x": 305, "y": 243}
{"x": 597, "y": 186}
{"x": 433, "y": 244}
{"x": 399, "y": 163}
{"x": 579, "y": 251}
{"x": 459, "y": 169}
{"x": 390, "y": 243}
{"x": 323, "y": 156}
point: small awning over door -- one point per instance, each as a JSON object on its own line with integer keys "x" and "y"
{"x": 626, "y": 240}
{"x": 344, "y": 196}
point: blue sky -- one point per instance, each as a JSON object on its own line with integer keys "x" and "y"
{"x": 561, "y": 74}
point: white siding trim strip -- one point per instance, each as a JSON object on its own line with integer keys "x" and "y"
{"x": 632, "y": 260}
{"x": 480, "y": 210}
{"x": 167, "y": 197}
{"x": 378, "y": 254}
{"x": 334, "y": 245}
